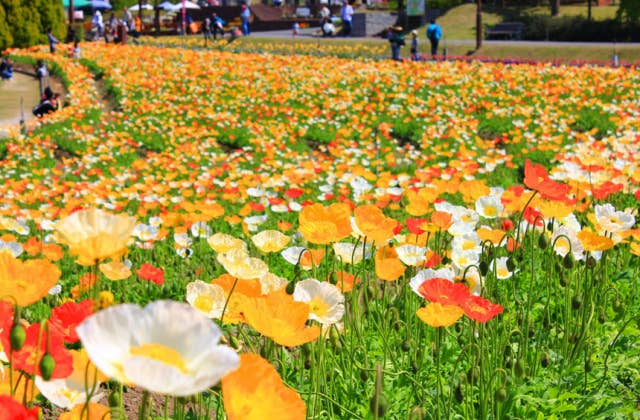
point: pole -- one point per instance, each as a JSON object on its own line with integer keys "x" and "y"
{"x": 479, "y": 25}
{"x": 70, "y": 13}
{"x": 184, "y": 17}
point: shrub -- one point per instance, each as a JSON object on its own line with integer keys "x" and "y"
{"x": 577, "y": 28}
{"x": 408, "y": 132}
{"x": 492, "y": 127}
{"x": 317, "y": 135}
{"x": 589, "y": 119}
{"x": 3, "y": 150}
{"x": 234, "y": 138}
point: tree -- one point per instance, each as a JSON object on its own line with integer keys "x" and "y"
{"x": 555, "y": 7}
{"x": 6, "y": 39}
{"x": 629, "y": 11}
{"x": 23, "y": 19}
{"x": 51, "y": 16}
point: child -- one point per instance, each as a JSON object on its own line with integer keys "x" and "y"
{"x": 415, "y": 55}
{"x": 296, "y": 29}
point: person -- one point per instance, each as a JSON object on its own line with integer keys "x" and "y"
{"x": 434, "y": 33}
{"x": 206, "y": 29}
{"x": 76, "y": 50}
{"x": 346, "y": 14}
{"x": 6, "y": 68}
{"x": 52, "y": 41}
{"x": 127, "y": 17}
{"x": 245, "y": 16}
{"x": 296, "y": 29}
{"x": 48, "y": 103}
{"x": 97, "y": 22}
{"x": 217, "y": 25}
{"x": 396, "y": 40}
{"x": 324, "y": 13}
{"x": 136, "y": 29}
{"x": 328, "y": 28}
{"x": 415, "y": 55}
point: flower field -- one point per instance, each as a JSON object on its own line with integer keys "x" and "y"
{"x": 214, "y": 234}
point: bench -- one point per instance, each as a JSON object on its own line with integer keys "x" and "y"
{"x": 510, "y": 30}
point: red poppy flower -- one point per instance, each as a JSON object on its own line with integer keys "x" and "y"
{"x": 10, "y": 409}
{"x": 293, "y": 193}
{"x": 6, "y": 323}
{"x": 28, "y": 357}
{"x": 533, "y": 216}
{"x": 605, "y": 190}
{"x": 151, "y": 273}
{"x": 444, "y": 291}
{"x": 480, "y": 309}
{"x": 66, "y": 317}
{"x": 537, "y": 178}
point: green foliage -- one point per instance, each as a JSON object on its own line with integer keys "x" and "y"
{"x": 408, "y": 132}
{"x": 3, "y": 150}
{"x": 319, "y": 134}
{"x": 577, "y": 28}
{"x": 25, "y": 23}
{"x": 234, "y": 138}
{"x": 629, "y": 11}
{"x": 492, "y": 127}
{"x": 589, "y": 119}
{"x": 6, "y": 38}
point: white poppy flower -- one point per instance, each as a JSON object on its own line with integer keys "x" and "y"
{"x": 206, "y": 297}
{"x": 200, "y": 230}
{"x": 326, "y": 303}
{"x": 411, "y": 254}
{"x": 166, "y": 347}
{"x": 489, "y": 206}
{"x": 350, "y": 253}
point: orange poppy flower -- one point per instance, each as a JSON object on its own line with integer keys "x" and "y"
{"x": 95, "y": 412}
{"x": 438, "y": 315}
{"x": 388, "y": 265}
{"x": 420, "y": 201}
{"x": 33, "y": 246}
{"x": 345, "y": 281}
{"x": 374, "y": 225}
{"x": 324, "y": 225}
{"x": 244, "y": 290}
{"x": 280, "y": 318}
{"x": 26, "y": 281}
{"x": 256, "y": 391}
{"x": 594, "y": 242}
{"x": 52, "y": 252}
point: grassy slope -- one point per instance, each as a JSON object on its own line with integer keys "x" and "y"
{"x": 460, "y": 22}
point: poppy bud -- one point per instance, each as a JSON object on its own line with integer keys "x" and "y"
{"x": 234, "y": 342}
{"x": 591, "y": 262}
{"x": 520, "y": 368}
{"x": 17, "y": 337}
{"x": 364, "y": 375}
{"x": 602, "y": 318}
{"x": 115, "y": 399}
{"x": 543, "y": 243}
{"x": 290, "y": 287}
{"x": 511, "y": 264}
{"x": 617, "y": 306}
{"x": 458, "y": 395}
{"x": 379, "y": 401}
{"x": 406, "y": 345}
{"x": 576, "y": 302}
{"x": 47, "y": 364}
{"x": 501, "y": 394}
{"x": 544, "y": 360}
{"x": 567, "y": 261}
{"x": 484, "y": 267}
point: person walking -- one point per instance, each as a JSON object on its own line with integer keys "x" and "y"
{"x": 217, "y": 25}
{"x": 346, "y": 14}
{"x": 415, "y": 55}
{"x": 396, "y": 40}
{"x": 434, "y": 33}
{"x": 206, "y": 30}
{"x": 52, "y": 41}
{"x": 245, "y": 17}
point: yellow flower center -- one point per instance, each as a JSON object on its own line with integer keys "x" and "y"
{"x": 467, "y": 245}
{"x": 318, "y": 307}
{"x": 503, "y": 272}
{"x": 70, "y": 394}
{"x": 203, "y": 303}
{"x": 161, "y": 353}
{"x": 490, "y": 211}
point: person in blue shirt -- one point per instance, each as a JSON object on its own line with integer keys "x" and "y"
{"x": 434, "y": 33}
